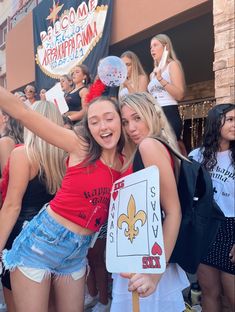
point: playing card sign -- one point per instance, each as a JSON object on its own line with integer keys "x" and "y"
{"x": 134, "y": 237}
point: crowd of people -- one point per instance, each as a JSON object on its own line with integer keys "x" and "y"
{"x": 55, "y": 169}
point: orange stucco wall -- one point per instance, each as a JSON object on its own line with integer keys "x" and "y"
{"x": 20, "y": 54}
{"x": 134, "y": 16}
{"x": 130, "y": 17}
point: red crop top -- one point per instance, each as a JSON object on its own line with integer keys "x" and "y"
{"x": 85, "y": 194}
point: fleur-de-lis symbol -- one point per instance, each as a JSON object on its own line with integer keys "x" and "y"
{"x": 131, "y": 218}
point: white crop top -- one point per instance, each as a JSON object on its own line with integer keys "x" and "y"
{"x": 158, "y": 92}
{"x": 122, "y": 92}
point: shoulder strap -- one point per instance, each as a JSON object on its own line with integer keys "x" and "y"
{"x": 81, "y": 88}
{"x": 137, "y": 161}
{"x": 171, "y": 149}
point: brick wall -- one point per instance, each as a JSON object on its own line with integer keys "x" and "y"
{"x": 224, "y": 50}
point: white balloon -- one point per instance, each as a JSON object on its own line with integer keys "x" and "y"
{"x": 112, "y": 71}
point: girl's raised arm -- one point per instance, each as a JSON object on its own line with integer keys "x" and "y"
{"x": 38, "y": 124}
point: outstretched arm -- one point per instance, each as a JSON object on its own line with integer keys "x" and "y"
{"x": 40, "y": 125}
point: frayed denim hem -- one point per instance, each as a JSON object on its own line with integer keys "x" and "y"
{"x": 38, "y": 274}
{"x": 8, "y": 266}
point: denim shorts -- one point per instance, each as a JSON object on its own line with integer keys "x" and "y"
{"x": 47, "y": 245}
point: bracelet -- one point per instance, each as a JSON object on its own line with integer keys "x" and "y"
{"x": 165, "y": 84}
{"x": 160, "y": 79}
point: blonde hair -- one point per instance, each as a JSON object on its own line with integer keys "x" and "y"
{"x": 166, "y": 41}
{"x": 48, "y": 158}
{"x": 136, "y": 69}
{"x": 152, "y": 114}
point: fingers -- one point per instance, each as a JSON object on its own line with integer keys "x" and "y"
{"x": 143, "y": 284}
{"x": 126, "y": 275}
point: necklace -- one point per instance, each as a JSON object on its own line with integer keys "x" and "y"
{"x": 109, "y": 167}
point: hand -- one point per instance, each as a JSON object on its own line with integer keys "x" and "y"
{"x": 232, "y": 254}
{"x": 158, "y": 73}
{"x": 144, "y": 284}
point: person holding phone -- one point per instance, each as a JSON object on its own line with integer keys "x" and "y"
{"x": 167, "y": 82}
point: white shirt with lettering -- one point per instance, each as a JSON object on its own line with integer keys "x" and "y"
{"x": 223, "y": 179}
{"x": 158, "y": 92}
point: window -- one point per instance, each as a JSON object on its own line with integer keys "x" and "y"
{"x": 3, "y": 33}
{"x": 3, "y": 81}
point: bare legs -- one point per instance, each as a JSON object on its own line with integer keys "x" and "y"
{"x": 97, "y": 280}
{"x": 228, "y": 282}
{"x": 69, "y": 294}
{"x": 31, "y": 296}
{"x": 213, "y": 282}
{"x": 8, "y": 297}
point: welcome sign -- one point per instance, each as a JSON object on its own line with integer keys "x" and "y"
{"x": 67, "y": 33}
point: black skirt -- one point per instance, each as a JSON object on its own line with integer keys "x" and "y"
{"x": 218, "y": 254}
{"x": 173, "y": 117}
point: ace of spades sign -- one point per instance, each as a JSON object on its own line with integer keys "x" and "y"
{"x": 134, "y": 237}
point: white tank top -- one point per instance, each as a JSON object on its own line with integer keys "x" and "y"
{"x": 158, "y": 92}
{"x": 124, "y": 91}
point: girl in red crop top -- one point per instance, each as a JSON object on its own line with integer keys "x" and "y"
{"x": 142, "y": 120}
{"x": 79, "y": 208}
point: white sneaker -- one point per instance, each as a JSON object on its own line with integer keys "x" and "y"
{"x": 100, "y": 307}
{"x": 196, "y": 308}
{"x": 90, "y": 301}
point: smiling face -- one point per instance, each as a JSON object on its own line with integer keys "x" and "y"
{"x": 104, "y": 124}
{"x": 227, "y": 132}
{"x": 156, "y": 49}
{"x": 135, "y": 127}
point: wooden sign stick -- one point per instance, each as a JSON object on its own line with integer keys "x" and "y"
{"x": 135, "y": 301}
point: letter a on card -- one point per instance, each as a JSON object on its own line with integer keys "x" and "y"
{"x": 134, "y": 215}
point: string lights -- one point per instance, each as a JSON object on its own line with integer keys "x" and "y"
{"x": 196, "y": 112}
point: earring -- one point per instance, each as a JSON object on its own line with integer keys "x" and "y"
{"x": 84, "y": 81}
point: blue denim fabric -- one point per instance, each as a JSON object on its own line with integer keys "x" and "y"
{"x": 45, "y": 244}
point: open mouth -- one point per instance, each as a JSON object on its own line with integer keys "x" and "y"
{"x": 106, "y": 136}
